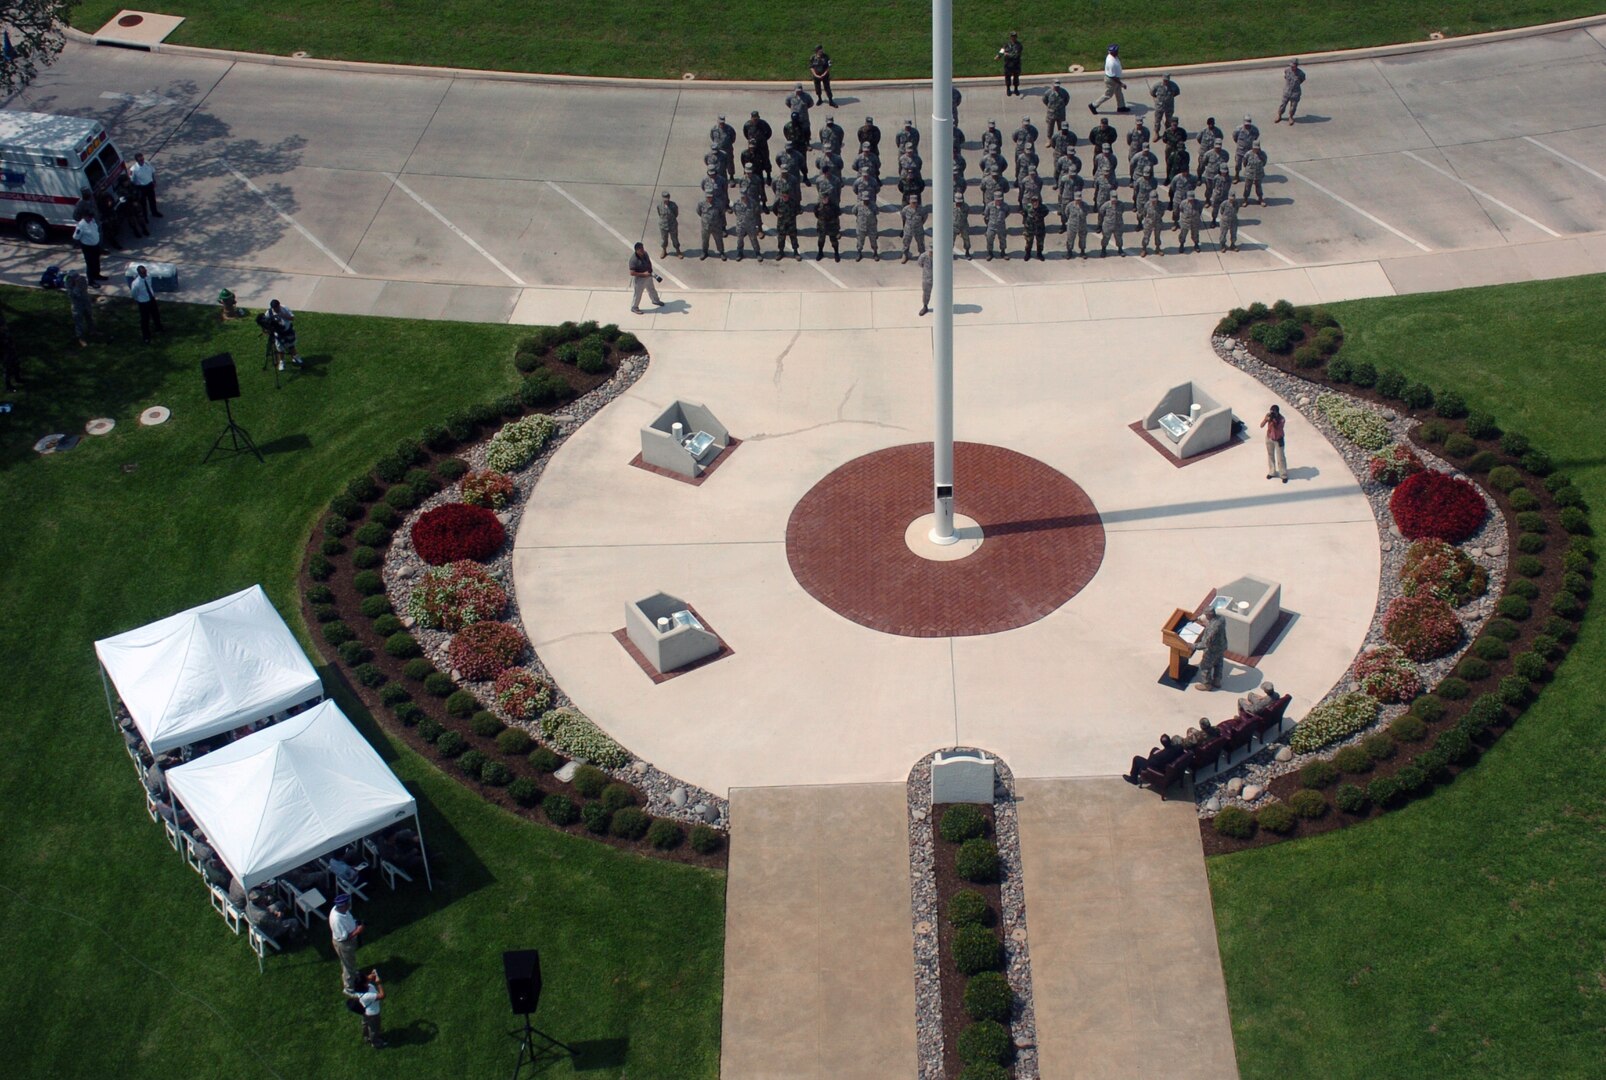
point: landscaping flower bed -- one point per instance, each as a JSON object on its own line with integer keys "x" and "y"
{"x": 1431, "y": 504}
{"x": 455, "y": 532}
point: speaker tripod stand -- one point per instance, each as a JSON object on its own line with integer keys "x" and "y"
{"x": 239, "y": 438}
{"x": 532, "y": 1052}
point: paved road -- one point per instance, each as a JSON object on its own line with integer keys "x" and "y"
{"x": 470, "y": 181}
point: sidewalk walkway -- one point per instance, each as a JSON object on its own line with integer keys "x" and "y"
{"x": 1126, "y": 976}
{"x": 819, "y": 954}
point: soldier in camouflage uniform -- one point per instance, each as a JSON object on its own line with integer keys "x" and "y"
{"x": 1063, "y": 140}
{"x": 1026, "y": 133}
{"x": 1034, "y": 225}
{"x": 716, "y": 187}
{"x": 962, "y": 221}
{"x": 1214, "y": 160}
{"x": 712, "y": 215}
{"x": 909, "y": 160}
{"x": 1149, "y": 219}
{"x": 1293, "y": 89}
{"x": 1142, "y": 188}
{"x": 1076, "y": 227}
{"x": 993, "y": 185}
{"x": 1025, "y": 161}
{"x": 869, "y": 133}
{"x": 908, "y": 137}
{"x": 1244, "y": 137}
{"x": 1254, "y": 168}
{"x": 1031, "y": 186}
{"x": 1067, "y": 190}
{"x": 866, "y": 226}
{"x": 786, "y": 208}
{"x": 831, "y": 135}
{"x": 992, "y": 139}
{"x": 1180, "y": 187}
{"x": 1220, "y": 192}
{"x": 757, "y": 158}
{"x": 911, "y": 185}
{"x": 925, "y": 282}
{"x": 1165, "y": 95}
{"x": 867, "y": 185}
{"x": 799, "y": 100}
{"x": 992, "y": 162}
{"x": 786, "y": 181}
{"x": 1103, "y": 186}
{"x": 1112, "y": 226}
{"x": 723, "y": 136}
{"x": 825, "y": 159}
{"x": 669, "y": 226}
{"x": 828, "y": 186}
{"x": 1104, "y": 165}
{"x": 749, "y": 226}
{"x": 914, "y": 225}
{"x": 868, "y": 161}
{"x": 714, "y": 159}
{"x": 997, "y": 217}
{"x": 1137, "y": 141}
{"x": 1210, "y": 135}
{"x": 1188, "y": 224}
{"x": 1054, "y": 102}
{"x": 757, "y": 130}
{"x": 1229, "y": 224}
{"x": 752, "y": 185}
{"x": 828, "y": 222}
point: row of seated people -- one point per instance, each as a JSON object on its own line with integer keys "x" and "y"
{"x": 1258, "y": 712}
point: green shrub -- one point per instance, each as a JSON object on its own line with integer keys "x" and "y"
{"x": 450, "y": 744}
{"x": 1362, "y": 373}
{"x": 1459, "y": 446}
{"x": 1412, "y": 779}
{"x": 419, "y": 669}
{"x": 988, "y": 996}
{"x": 977, "y": 860}
{"x": 1328, "y": 340}
{"x": 336, "y": 526}
{"x": 1530, "y": 543}
{"x": 1417, "y": 396}
{"x": 1353, "y": 761}
{"x": 567, "y": 353}
{"x": 423, "y": 482}
{"x": 401, "y": 497}
{"x": 1338, "y": 368}
{"x": 1308, "y": 356}
{"x": 1502, "y": 629}
{"x": 1379, "y": 746}
{"x": 1433, "y": 432}
{"x": 1504, "y": 478}
{"x": 353, "y": 653}
{"x": 1574, "y": 582}
{"x": 1455, "y": 744}
{"x": 1528, "y": 566}
{"x": 1234, "y": 822}
{"x": 1481, "y": 462}
{"x": 387, "y": 516}
{"x": 705, "y": 839}
{"x": 429, "y": 729}
{"x": 1408, "y": 728}
{"x": 1384, "y": 790}
{"x": 589, "y": 781}
{"x": 1575, "y": 520}
{"x": 1276, "y": 818}
{"x": 1351, "y": 799}
{"x": 1515, "y": 443}
{"x": 1559, "y": 628}
{"x": 1435, "y": 765}
{"x": 1522, "y": 499}
{"x": 617, "y": 796}
{"x": 1451, "y": 405}
{"x": 1513, "y": 690}
{"x": 1481, "y": 425}
{"x": 1523, "y": 588}
{"x": 362, "y": 489}
{"x": 543, "y": 387}
{"x": 1453, "y": 689}
{"x": 977, "y": 949}
{"x": 336, "y": 633}
{"x": 560, "y": 810}
{"x": 439, "y": 437}
{"x": 331, "y": 548}
{"x": 526, "y": 362}
{"x": 1284, "y": 309}
{"x": 1567, "y": 495}
{"x": 1306, "y": 804}
{"x": 386, "y": 624}
{"x": 1257, "y": 310}
{"x": 370, "y": 676}
{"x": 509, "y": 406}
{"x": 1546, "y": 647}
{"x": 1530, "y": 666}
{"x": 402, "y": 646}
{"x": 1279, "y": 336}
{"x": 513, "y": 742}
{"x": 544, "y": 760}
{"x": 1390, "y": 384}
{"x": 1229, "y": 323}
{"x": 471, "y": 762}
{"x": 592, "y": 360}
{"x": 967, "y": 907}
{"x": 394, "y": 694}
{"x": 1538, "y": 462}
{"x": 496, "y": 774}
{"x": 368, "y": 583}
{"x": 1472, "y": 669}
{"x": 390, "y": 468}
{"x": 320, "y": 594}
{"x": 1486, "y": 712}
{"x": 985, "y": 1040}
{"x": 325, "y": 612}
{"x": 439, "y": 684}
{"x": 1318, "y": 774}
{"x": 524, "y": 791}
{"x": 484, "y": 723}
{"x": 451, "y": 469}
{"x": 595, "y": 818}
{"x": 409, "y": 714}
{"x": 1531, "y": 521}
{"x": 665, "y": 835}
{"x": 630, "y": 823}
{"x": 1429, "y": 708}
{"x": 346, "y": 507}
{"x": 1491, "y": 649}
{"x": 1513, "y": 607}
{"x": 962, "y": 822}
{"x": 1574, "y": 563}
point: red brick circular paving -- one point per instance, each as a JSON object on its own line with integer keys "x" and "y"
{"x": 1043, "y": 542}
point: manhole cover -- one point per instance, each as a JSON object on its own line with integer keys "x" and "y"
{"x": 130, "y": 20}
{"x": 156, "y": 414}
{"x": 56, "y": 444}
{"x": 688, "y": 75}
{"x": 100, "y": 426}
{"x": 301, "y": 54}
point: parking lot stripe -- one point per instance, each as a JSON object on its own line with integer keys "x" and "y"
{"x": 465, "y": 237}
{"x": 631, "y": 244}
{"x": 1508, "y": 208}
{"x": 1564, "y": 157}
{"x": 288, "y": 220}
{"x": 1374, "y": 219}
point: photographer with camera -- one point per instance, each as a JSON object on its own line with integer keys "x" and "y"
{"x": 641, "y": 279}
{"x": 279, "y": 323}
{"x": 364, "y": 1001}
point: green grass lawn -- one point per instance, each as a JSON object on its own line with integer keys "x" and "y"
{"x": 115, "y": 963}
{"x": 747, "y": 40}
{"x": 1461, "y": 935}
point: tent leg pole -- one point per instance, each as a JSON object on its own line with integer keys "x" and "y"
{"x": 418, "y": 827}
{"x": 105, "y": 684}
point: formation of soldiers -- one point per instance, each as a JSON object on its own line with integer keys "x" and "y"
{"x": 1162, "y": 177}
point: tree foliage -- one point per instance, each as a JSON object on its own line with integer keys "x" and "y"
{"x": 34, "y": 27}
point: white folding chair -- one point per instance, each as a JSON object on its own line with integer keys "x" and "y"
{"x": 150, "y": 807}
{"x": 259, "y": 943}
{"x": 172, "y": 833}
{"x": 346, "y": 885}
{"x": 191, "y": 858}
{"x": 225, "y": 907}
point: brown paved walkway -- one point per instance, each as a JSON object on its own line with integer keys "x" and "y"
{"x": 819, "y": 955}
{"x": 1126, "y": 976}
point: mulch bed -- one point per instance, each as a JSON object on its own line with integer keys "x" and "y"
{"x": 954, "y": 1017}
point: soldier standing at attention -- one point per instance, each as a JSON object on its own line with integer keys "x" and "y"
{"x": 1293, "y": 87}
{"x": 997, "y": 216}
{"x": 1210, "y": 135}
{"x": 1025, "y": 161}
{"x": 992, "y": 139}
{"x": 799, "y": 101}
{"x": 757, "y": 130}
{"x": 724, "y": 137}
{"x": 925, "y": 283}
{"x": 827, "y": 159}
{"x": 1032, "y": 216}
{"x": 959, "y": 174}
{"x": 1229, "y": 224}
{"x": 1220, "y": 192}
{"x": 1026, "y": 133}
{"x": 1010, "y": 54}
{"x": 867, "y": 185}
{"x": 1176, "y": 149}
{"x": 1112, "y": 226}
{"x": 748, "y": 226}
{"x": 828, "y": 223}
{"x": 798, "y": 135}
{"x": 869, "y": 133}
{"x": 1180, "y": 187}
{"x": 1054, "y": 103}
{"x": 831, "y": 135}
{"x": 958, "y": 97}
{"x": 786, "y": 223}
{"x": 787, "y": 182}
{"x": 1076, "y": 230}
{"x": 868, "y": 163}
{"x": 910, "y": 161}
{"x": 865, "y": 224}
{"x": 962, "y": 221}
{"x": 1113, "y": 86}
{"x": 911, "y": 185}
{"x": 1165, "y": 94}
{"x": 715, "y": 187}
{"x": 1137, "y": 141}
{"x": 1188, "y": 224}
{"x": 751, "y": 185}
{"x": 1102, "y": 134}
{"x": 914, "y": 225}
{"x": 1244, "y": 137}
{"x": 993, "y": 185}
{"x": 1255, "y": 172}
{"x": 1149, "y": 222}
{"x": 828, "y": 186}
{"x": 1067, "y": 188}
{"x": 1031, "y": 187}
{"x": 820, "y": 68}
{"x": 669, "y": 226}
{"x": 908, "y": 138}
{"x": 756, "y": 161}
{"x": 712, "y": 215}
{"x": 1143, "y": 187}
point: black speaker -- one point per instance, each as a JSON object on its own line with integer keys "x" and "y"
{"x": 222, "y": 380}
{"x": 522, "y": 968}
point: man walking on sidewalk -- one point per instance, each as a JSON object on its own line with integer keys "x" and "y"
{"x": 642, "y": 277}
{"x": 1113, "y": 86}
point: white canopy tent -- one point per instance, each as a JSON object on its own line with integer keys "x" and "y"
{"x": 285, "y": 795}
{"x": 208, "y": 670}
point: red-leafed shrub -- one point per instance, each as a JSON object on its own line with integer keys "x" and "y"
{"x": 1423, "y": 626}
{"x": 1437, "y": 504}
{"x": 1395, "y": 464}
{"x": 1387, "y": 675}
{"x": 484, "y": 650}
{"x": 1445, "y": 571}
{"x": 451, "y": 597}
{"x": 457, "y": 531}
{"x": 522, "y": 695}
{"x": 488, "y": 488}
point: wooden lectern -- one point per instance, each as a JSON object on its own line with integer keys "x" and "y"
{"x": 1170, "y": 636}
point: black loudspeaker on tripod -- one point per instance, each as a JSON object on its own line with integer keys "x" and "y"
{"x": 223, "y": 384}
{"x": 522, "y": 969}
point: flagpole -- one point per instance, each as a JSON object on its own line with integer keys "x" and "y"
{"x": 942, "y": 271}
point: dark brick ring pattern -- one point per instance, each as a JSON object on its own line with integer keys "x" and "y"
{"x": 1043, "y": 542}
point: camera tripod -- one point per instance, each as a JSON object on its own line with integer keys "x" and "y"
{"x": 528, "y": 1046}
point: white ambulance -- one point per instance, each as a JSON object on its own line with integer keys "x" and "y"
{"x": 45, "y": 161}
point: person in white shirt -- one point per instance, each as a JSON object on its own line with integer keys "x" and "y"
{"x": 87, "y": 235}
{"x": 150, "y": 317}
{"x": 367, "y": 996}
{"x": 1113, "y": 86}
{"x": 343, "y": 931}
{"x": 144, "y": 176}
